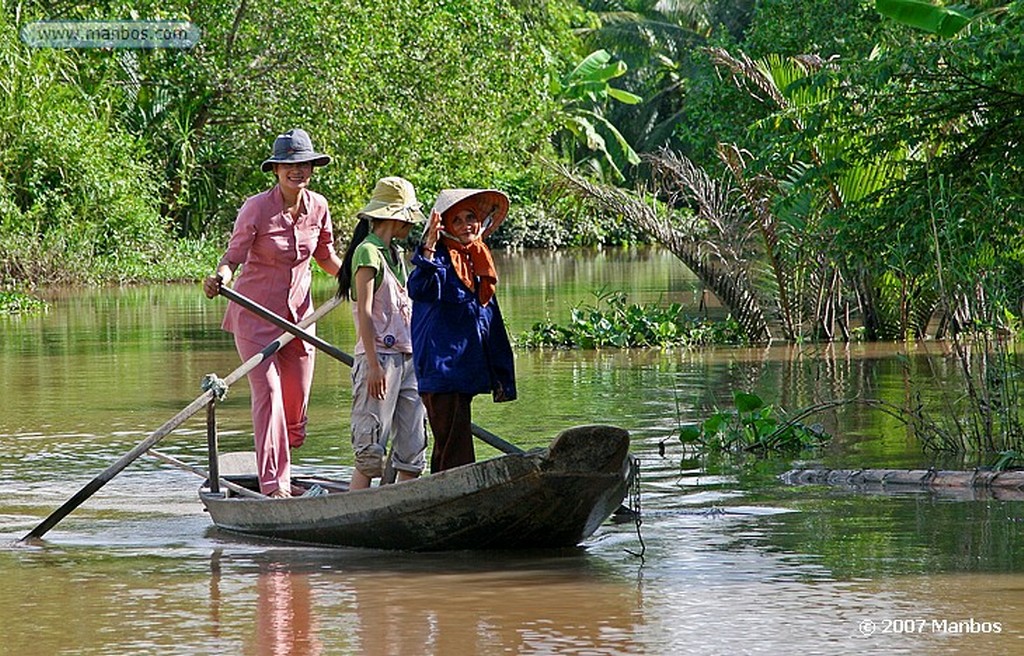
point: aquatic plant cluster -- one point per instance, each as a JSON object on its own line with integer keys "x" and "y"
{"x": 19, "y": 303}
{"x": 753, "y": 427}
{"x": 614, "y": 322}
{"x": 981, "y": 418}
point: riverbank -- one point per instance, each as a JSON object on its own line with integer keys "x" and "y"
{"x": 181, "y": 260}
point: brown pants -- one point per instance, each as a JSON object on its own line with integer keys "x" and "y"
{"x": 452, "y": 426}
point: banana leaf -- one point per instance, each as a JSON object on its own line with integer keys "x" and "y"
{"x": 944, "y": 21}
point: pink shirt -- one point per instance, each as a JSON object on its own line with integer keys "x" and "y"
{"x": 275, "y": 252}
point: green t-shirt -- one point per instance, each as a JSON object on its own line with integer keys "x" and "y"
{"x": 371, "y": 252}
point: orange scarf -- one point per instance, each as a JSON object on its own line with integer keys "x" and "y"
{"x": 472, "y": 261}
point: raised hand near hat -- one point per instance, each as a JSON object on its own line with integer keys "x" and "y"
{"x": 431, "y": 234}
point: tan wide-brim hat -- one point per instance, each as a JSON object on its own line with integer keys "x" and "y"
{"x": 393, "y": 198}
{"x": 491, "y": 203}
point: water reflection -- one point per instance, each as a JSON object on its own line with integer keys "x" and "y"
{"x": 711, "y": 586}
{"x": 539, "y": 284}
{"x": 869, "y": 536}
{"x": 138, "y": 571}
{"x": 493, "y": 612}
{"x": 284, "y": 621}
{"x": 380, "y": 603}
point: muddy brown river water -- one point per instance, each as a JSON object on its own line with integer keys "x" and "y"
{"x": 731, "y": 564}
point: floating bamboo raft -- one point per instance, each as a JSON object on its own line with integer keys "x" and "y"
{"x": 976, "y": 484}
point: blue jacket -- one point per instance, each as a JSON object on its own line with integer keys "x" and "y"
{"x": 458, "y": 345}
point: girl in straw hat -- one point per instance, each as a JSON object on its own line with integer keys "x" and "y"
{"x": 385, "y": 404}
{"x": 460, "y": 345}
{"x": 275, "y": 235}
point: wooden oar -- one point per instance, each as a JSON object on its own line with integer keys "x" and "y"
{"x": 202, "y": 473}
{"x": 110, "y": 472}
{"x": 289, "y": 327}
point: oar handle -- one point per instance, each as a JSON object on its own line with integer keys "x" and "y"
{"x": 495, "y": 441}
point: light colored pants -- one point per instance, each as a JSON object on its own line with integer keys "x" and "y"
{"x": 398, "y": 417}
{"x": 280, "y": 395}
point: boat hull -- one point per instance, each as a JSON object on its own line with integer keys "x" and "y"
{"x": 546, "y": 498}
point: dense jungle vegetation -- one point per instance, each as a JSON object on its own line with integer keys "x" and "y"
{"x": 830, "y": 169}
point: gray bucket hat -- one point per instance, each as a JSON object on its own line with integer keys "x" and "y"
{"x": 294, "y": 147}
{"x": 492, "y": 204}
{"x": 393, "y": 198}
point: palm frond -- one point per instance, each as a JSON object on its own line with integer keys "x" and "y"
{"x": 758, "y": 194}
{"x": 728, "y": 280}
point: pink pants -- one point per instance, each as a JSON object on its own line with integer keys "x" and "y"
{"x": 280, "y": 394}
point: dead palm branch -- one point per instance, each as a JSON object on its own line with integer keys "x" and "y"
{"x": 719, "y": 264}
{"x": 757, "y": 193}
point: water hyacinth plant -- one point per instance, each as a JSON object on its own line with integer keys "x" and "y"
{"x": 19, "y": 303}
{"x": 614, "y": 322}
{"x": 753, "y": 427}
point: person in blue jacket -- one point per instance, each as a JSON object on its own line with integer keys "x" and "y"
{"x": 459, "y": 342}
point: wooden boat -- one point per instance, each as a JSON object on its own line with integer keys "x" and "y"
{"x": 545, "y": 498}
{"x": 553, "y": 497}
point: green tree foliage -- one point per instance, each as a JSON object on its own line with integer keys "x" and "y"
{"x": 444, "y": 92}
{"x": 944, "y": 21}
{"x": 76, "y": 194}
{"x": 811, "y": 174}
{"x": 879, "y": 174}
{"x": 953, "y": 106}
{"x": 657, "y": 41}
{"x": 687, "y": 105}
{"x": 848, "y": 29}
{"x": 758, "y": 240}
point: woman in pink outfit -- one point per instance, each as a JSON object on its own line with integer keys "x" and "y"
{"x": 275, "y": 235}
